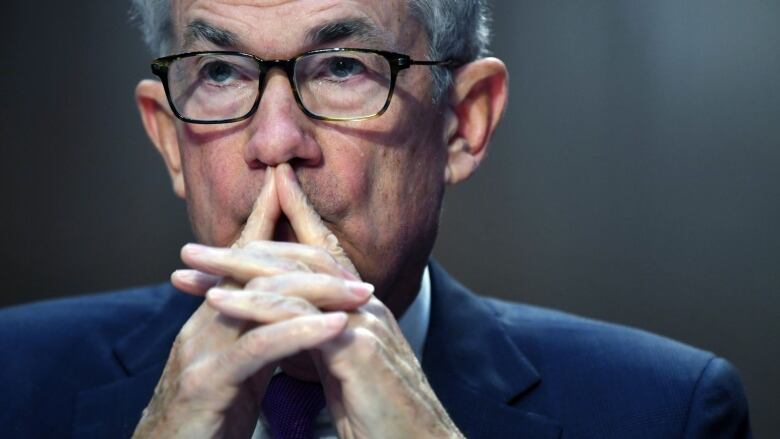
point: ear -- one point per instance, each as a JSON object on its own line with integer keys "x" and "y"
{"x": 159, "y": 123}
{"x": 477, "y": 102}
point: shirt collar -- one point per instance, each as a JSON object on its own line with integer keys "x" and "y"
{"x": 414, "y": 322}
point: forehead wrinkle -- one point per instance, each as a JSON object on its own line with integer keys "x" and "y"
{"x": 343, "y": 28}
{"x": 200, "y": 30}
{"x": 370, "y": 27}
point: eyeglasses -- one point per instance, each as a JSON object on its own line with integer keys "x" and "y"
{"x": 328, "y": 84}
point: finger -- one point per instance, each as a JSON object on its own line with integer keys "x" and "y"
{"x": 355, "y": 352}
{"x": 265, "y": 213}
{"x": 272, "y": 299}
{"x": 271, "y": 343}
{"x": 238, "y": 265}
{"x": 321, "y": 290}
{"x": 316, "y": 258}
{"x": 260, "y": 307}
{"x": 193, "y": 281}
{"x": 305, "y": 221}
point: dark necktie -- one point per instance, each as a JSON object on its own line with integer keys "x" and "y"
{"x": 291, "y": 406}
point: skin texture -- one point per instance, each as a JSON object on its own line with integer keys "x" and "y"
{"x": 358, "y": 200}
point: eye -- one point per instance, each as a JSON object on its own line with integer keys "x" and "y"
{"x": 218, "y": 71}
{"x": 343, "y": 67}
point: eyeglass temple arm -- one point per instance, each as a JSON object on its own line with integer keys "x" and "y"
{"x": 442, "y": 63}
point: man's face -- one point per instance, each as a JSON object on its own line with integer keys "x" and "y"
{"x": 376, "y": 183}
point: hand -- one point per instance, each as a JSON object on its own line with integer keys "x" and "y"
{"x": 373, "y": 383}
{"x": 219, "y": 366}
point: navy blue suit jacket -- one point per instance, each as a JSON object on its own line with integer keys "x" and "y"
{"x": 86, "y": 367}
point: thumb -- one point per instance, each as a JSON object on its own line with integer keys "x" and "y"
{"x": 305, "y": 221}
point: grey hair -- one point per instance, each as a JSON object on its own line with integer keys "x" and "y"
{"x": 457, "y": 30}
{"x": 441, "y": 19}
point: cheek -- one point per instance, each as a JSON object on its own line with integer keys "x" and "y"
{"x": 218, "y": 189}
{"x": 342, "y": 185}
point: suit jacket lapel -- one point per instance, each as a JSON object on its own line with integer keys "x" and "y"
{"x": 113, "y": 410}
{"x": 475, "y": 369}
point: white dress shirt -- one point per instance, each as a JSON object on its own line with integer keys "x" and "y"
{"x": 414, "y": 326}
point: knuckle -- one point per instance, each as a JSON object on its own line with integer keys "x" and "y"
{"x": 332, "y": 246}
{"x": 237, "y": 354}
{"x": 323, "y": 279}
{"x": 377, "y": 309}
{"x": 186, "y": 351}
{"x": 190, "y": 382}
{"x": 259, "y": 283}
{"x": 256, "y": 343}
{"x": 268, "y": 300}
{"x": 299, "y": 265}
{"x": 320, "y": 254}
{"x": 234, "y": 253}
{"x": 366, "y": 344}
{"x": 297, "y": 305}
{"x": 370, "y": 322}
{"x": 185, "y": 333}
{"x": 383, "y": 313}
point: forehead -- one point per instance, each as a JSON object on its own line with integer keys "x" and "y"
{"x": 285, "y": 27}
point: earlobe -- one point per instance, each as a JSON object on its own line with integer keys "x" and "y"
{"x": 477, "y": 103}
{"x": 158, "y": 121}
{"x": 461, "y": 162}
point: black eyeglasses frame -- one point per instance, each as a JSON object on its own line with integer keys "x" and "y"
{"x": 397, "y": 61}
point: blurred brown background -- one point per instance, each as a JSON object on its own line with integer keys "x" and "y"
{"x": 635, "y": 178}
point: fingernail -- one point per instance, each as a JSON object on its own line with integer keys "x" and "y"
{"x": 185, "y": 275}
{"x": 335, "y": 320}
{"x": 194, "y": 249}
{"x": 360, "y": 289}
{"x": 219, "y": 294}
{"x": 188, "y": 276}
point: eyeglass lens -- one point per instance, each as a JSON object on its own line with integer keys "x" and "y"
{"x": 338, "y": 85}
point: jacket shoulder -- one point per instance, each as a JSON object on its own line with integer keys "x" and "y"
{"x": 101, "y": 316}
{"x": 61, "y": 347}
{"x": 545, "y": 333}
{"x": 599, "y": 372}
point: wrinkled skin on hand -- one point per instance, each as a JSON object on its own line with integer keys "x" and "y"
{"x": 300, "y": 306}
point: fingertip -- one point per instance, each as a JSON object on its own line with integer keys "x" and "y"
{"x": 190, "y": 249}
{"x": 287, "y": 182}
{"x": 182, "y": 285}
{"x": 219, "y": 294}
{"x": 285, "y": 170}
{"x": 193, "y": 281}
{"x": 361, "y": 290}
{"x": 335, "y": 320}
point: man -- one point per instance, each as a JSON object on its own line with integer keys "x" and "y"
{"x": 312, "y": 141}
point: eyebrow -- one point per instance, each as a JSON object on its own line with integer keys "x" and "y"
{"x": 337, "y": 30}
{"x": 328, "y": 33}
{"x": 199, "y": 30}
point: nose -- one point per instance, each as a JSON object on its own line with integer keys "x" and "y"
{"x": 278, "y": 133}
